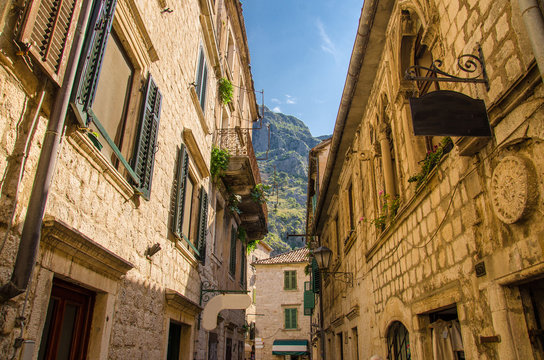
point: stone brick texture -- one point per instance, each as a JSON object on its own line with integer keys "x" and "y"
{"x": 86, "y": 198}
{"x": 425, "y": 257}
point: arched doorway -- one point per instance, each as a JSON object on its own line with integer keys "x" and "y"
{"x": 398, "y": 342}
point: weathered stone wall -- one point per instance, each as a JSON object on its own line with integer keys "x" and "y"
{"x": 271, "y": 301}
{"x": 481, "y": 208}
{"x": 93, "y": 198}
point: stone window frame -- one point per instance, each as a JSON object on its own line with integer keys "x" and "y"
{"x": 181, "y": 244}
{"x": 129, "y": 27}
{"x": 288, "y": 278}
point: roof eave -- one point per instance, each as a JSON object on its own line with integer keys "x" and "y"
{"x": 366, "y": 54}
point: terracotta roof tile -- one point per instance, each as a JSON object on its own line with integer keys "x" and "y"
{"x": 294, "y": 256}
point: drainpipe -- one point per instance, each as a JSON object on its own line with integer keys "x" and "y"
{"x": 30, "y": 237}
{"x": 534, "y": 23}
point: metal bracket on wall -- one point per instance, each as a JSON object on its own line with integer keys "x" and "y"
{"x": 346, "y": 277}
{"x": 467, "y": 63}
{"x": 206, "y": 291}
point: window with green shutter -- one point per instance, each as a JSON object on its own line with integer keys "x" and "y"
{"x": 309, "y": 298}
{"x": 243, "y": 267}
{"x": 105, "y": 88}
{"x": 47, "y": 31}
{"x": 201, "y": 78}
{"x": 232, "y": 265}
{"x": 315, "y": 277}
{"x": 188, "y": 222}
{"x": 202, "y": 225}
{"x": 290, "y": 280}
{"x": 290, "y": 318}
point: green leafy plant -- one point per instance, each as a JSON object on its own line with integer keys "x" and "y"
{"x": 242, "y": 234}
{"x": 388, "y": 211}
{"x": 219, "y": 162}
{"x": 233, "y": 203}
{"x": 258, "y": 193}
{"x": 432, "y": 159}
{"x": 226, "y": 90}
{"x": 252, "y": 245}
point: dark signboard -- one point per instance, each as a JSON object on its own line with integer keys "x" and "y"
{"x": 449, "y": 113}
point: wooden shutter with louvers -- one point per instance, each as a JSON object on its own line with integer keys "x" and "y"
{"x": 202, "y": 224}
{"x": 48, "y": 32}
{"x": 204, "y": 85}
{"x": 309, "y": 298}
{"x": 243, "y": 267}
{"x": 201, "y": 79}
{"x": 146, "y": 143}
{"x": 89, "y": 68}
{"x": 232, "y": 267}
{"x": 316, "y": 277}
{"x": 181, "y": 182}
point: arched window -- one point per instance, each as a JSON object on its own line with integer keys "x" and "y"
{"x": 398, "y": 342}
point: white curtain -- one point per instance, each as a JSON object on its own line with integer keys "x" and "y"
{"x": 446, "y": 338}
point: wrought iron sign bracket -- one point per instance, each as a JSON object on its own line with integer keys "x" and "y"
{"x": 346, "y": 277}
{"x": 206, "y": 292}
{"x": 468, "y": 63}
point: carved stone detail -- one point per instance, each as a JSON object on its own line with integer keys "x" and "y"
{"x": 512, "y": 189}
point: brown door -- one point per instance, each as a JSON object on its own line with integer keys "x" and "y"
{"x": 66, "y": 331}
{"x": 532, "y": 295}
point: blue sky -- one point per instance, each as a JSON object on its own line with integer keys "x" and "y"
{"x": 300, "y": 52}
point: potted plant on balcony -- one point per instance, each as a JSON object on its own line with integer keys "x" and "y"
{"x": 226, "y": 90}
{"x": 258, "y": 193}
{"x": 219, "y": 162}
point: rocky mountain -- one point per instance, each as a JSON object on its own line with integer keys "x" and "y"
{"x": 284, "y": 167}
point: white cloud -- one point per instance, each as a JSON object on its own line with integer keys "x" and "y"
{"x": 276, "y": 101}
{"x": 276, "y": 109}
{"x": 326, "y": 44}
{"x": 290, "y": 100}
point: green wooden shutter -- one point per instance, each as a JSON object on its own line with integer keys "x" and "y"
{"x": 286, "y": 280}
{"x": 309, "y": 298}
{"x": 89, "y": 67}
{"x": 290, "y": 318}
{"x": 201, "y": 78}
{"x": 48, "y": 30}
{"x": 293, "y": 280}
{"x": 146, "y": 143}
{"x": 232, "y": 267}
{"x": 181, "y": 181}
{"x": 316, "y": 277}
{"x": 243, "y": 267}
{"x": 204, "y": 85}
{"x": 202, "y": 224}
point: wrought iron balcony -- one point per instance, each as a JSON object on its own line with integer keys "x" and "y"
{"x": 241, "y": 177}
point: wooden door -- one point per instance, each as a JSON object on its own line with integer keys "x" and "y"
{"x": 66, "y": 331}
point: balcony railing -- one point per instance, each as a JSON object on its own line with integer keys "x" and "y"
{"x": 238, "y": 142}
{"x": 242, "y": 176}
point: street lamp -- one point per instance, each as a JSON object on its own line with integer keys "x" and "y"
{"x": 322, "y": 256}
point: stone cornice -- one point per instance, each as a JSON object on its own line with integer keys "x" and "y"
{"x": 181, "y": 302}
{"x": 58, "y": 236}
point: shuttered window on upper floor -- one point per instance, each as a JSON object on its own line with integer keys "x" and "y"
{"x": 290, "y": 280}
{"x": 189, "y": 223}
{"x": 201, "y": 78}
{"x": 48, "y": 31}
{"x": 106, "y": 99}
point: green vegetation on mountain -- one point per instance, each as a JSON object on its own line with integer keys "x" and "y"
{"x": 285, "y": 170}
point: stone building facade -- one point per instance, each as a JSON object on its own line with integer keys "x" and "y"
{"x": 280, "y": 282}
{"x": 444, "y": 242}
{"x": 109, "y": 112}
{"x": 261, "y": 252}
